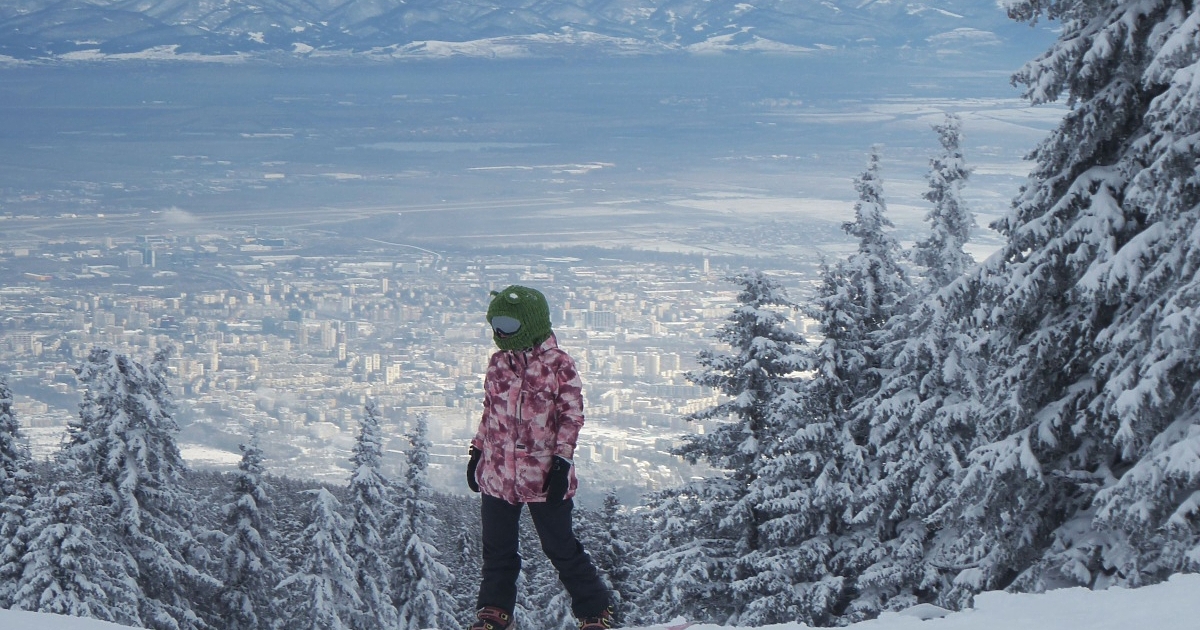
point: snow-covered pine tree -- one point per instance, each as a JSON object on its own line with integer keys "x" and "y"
{"x": 557, "y": 611}
{"x": 463, "y": 562}
{"x": 541, "y": 599}
{"x": 370, "y": 501}
{"x": 1086, "y": 469}
{"x": 922, "y": 425}
{"x": 950, "y": 220}
{"x": 70, "y": 566}
{"x": 767, "y": 354}
{"x": 530, "y": 605}
{"x": 420, "y": 579}
{"x": 879, "y": 287}
{"x": 612, "y": 552}
{"x": 921, "y": 420}
{"x": 1151, "y": 360}
{"x": 250, "y": 569}
{"x": 686, "y": 568}
{"x": 291, "y": 513}
{"x": 816, "y": 549}
{"x": 125, "y": 440}
{"x": 323, "y": 593}
{"x": 16, "y": 494}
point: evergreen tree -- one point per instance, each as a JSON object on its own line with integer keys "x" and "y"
{"x": 464, "y": 563}
{"x": 369, "y": 499}
{"x": 324, "y": 591}
{"x": 950, "y": 221}
{"x": 750, "y": 380}
{"x": 125, "y": 440}
{"x": 878, "y": 286}
{"x": 1085, "y": 470}
{"x": 545, "y": 603}
{"x": 612, "y": 552}
{"x": 921, "y": 418}
{"x": 16, "y": 494}
{"x": 250, "y": 569}
{"x": 818, "y": 545}
{"x": 70, "y": 566}
{"x": 687, "y": 556}
{"x": 291, "y": 515}
{"x": 420, "y": 579}
{"x": 529, "y": 604}
{"x": 808, "y": 488}
{"x": 556, "y": 613}
{"x": 922, "y": 425}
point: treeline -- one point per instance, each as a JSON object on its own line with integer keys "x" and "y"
{"x": 1029, "y": 422}
{"x": 116, "y": 528}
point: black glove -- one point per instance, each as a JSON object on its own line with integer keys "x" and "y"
{"x": 557, "y": 480}
{"x": 471, "y": 466}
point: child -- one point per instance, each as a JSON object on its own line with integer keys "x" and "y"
{"x": 521, "y": 455}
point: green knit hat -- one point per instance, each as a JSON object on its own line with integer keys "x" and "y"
{"x": 526, "y": 305}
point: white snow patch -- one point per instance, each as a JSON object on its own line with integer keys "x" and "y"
{"x": 516, "y": 47}
{"x": 1014, "y": 169}
{"x": 23, "y": 620}
{"x": 732, "y": 42}
{"x": 200, "y": 455}
{"x": 44, "y": 442}
{"x": 755, "y": 206}
{"x": 178, "y": 216}
{"x": 841, "y": 118}
{"x": 157, "y": 53}
{"x": 91, "y": 54}
{"x": 1172, "y": 605}
{"x": 925, "y": 612}
{"x": 964, "y": 37}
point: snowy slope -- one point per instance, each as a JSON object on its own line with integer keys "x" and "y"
{"x": 1173, "y": 605}
{"x": 21, "y": 620}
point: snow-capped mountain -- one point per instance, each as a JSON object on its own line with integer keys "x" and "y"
{"x": 51, "y": 28}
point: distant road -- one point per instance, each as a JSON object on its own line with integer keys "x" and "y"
{"x": 436, "y": 255}
{"x": 93, "y": 225}
{"x": 325, "y": 215}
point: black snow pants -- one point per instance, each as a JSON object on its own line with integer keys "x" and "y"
{"x": 502, "y": 558}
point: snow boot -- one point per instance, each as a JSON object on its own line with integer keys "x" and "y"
{"x": 492, "y": 618}
{"x": 603, "y": 621}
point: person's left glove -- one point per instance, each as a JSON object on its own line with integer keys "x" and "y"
{"x": 557, "y": 480}
{"x": 471, "y": 466}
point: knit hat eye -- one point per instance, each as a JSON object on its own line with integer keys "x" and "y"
{"x": 505, "y": 325}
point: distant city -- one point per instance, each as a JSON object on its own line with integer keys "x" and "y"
{"x": 309, "y": 240}
{"x": 268, "y": 334}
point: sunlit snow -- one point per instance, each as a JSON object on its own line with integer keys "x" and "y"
{"x": 1169, "y": 606}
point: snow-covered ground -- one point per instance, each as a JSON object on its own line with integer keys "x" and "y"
{"x": 1174, "y": 605}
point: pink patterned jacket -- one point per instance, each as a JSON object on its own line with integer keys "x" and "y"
{"x": 532, "y": 411}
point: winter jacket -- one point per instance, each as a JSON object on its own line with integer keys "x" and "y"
{"x": 532, "y": 411}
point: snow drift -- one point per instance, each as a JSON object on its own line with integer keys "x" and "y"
{"x": 1172, "y": 605}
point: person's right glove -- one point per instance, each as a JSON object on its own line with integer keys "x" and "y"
{"x": 471, "y": 466}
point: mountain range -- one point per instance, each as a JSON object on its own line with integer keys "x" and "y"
{"x": 57, "y": 29}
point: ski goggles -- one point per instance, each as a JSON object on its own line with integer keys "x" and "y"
{"x": 505, "y": 326}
